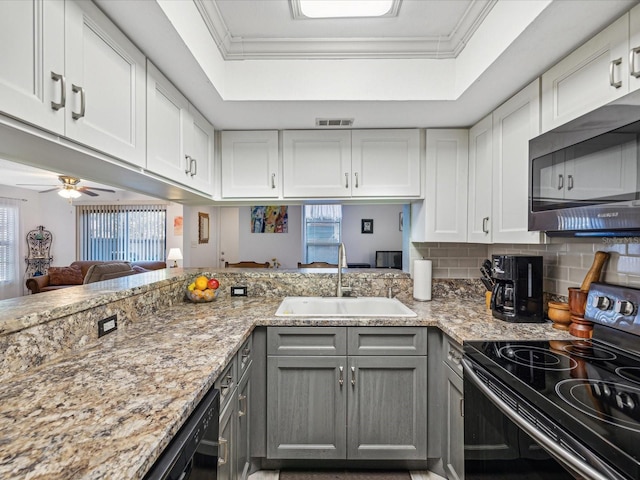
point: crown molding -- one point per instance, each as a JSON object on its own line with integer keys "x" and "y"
{"x": 427, "y": 47}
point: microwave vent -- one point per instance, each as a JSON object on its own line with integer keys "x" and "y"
{"x": 334, "y": 122}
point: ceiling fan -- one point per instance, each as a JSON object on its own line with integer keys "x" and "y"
{"x": 70, "y": 188}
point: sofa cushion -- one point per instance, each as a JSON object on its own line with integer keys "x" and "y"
{"x": 106, "y": 271}
{"x": 139, "y": 269}
{"x": 71, "y": 275}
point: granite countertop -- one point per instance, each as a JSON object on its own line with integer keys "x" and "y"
{"x": 109, "y": 410}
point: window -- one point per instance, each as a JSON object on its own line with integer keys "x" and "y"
{"x": 122, "y": 232}
{"x": 8, "y": 243}
{"x": 322, "y": 233}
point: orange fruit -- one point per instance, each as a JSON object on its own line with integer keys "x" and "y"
{"x": 201, "y": 282}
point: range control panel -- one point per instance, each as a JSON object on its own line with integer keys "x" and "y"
{"x": 615, "y": 306}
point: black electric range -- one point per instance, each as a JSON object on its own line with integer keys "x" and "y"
{"x": 578, "y": 399}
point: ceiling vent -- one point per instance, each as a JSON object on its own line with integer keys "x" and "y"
{"x": 334, "y": 122}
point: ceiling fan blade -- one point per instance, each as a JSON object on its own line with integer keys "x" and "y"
{"x": 34, "y": 185}
{"x": 99, "y": 189}
{"x": 50, "y": 190}
{"x": 87, "y": 192}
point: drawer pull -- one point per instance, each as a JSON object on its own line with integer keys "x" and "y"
{"x": 242, "y": 412}
{"x": 222, "y": 460}
{"x": 353, "y": 376}
{"x": 341, "y": 377}
{"x": 246, "y": 352}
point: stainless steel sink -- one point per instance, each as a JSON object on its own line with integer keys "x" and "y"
{"x": 343, "y": 307}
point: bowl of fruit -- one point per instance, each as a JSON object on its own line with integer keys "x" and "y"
{"x": 203, "y": 289}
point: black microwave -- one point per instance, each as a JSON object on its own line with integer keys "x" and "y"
{"x": 584, "y": 176}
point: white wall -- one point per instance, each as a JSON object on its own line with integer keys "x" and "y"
{"x": 262, "y": 247}
{"x": 199, "y": 254}
{"x": 361, "y": 247}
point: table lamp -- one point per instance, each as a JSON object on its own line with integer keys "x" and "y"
{"x": 174, "y": 254}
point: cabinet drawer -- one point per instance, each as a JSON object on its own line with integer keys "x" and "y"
{"x": 227, "y": 382}
{"x": 307, "y": 341}
{"x": 244, "y": 356}
{"x": 387, "y": 341}
{"x": 452, "y": 354}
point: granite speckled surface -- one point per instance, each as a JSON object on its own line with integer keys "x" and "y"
{"x": 107, "y": 407}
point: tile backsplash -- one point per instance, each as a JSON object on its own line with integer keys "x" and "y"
{"x": 566, "y": 261}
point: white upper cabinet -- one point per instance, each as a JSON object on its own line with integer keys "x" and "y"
{"x": 67, "y": 69}
{"x": 179, "y": 139}
{"x": 105, "y": 85}
{"x": 594, "y": 74}
{"x": 442, "y": 216}
{"x": 351, "y": 163}
{"x": 514, "y": 123}
{"x": 385, "y": 163}
{"x": 250, "y": 166}
{"x": 480, "y": 181}
{"x": 634, "y": 48}
{"x": 316, "y": 163}
{"x": 32, "y": 66}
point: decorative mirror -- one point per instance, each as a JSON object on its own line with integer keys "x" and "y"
{"x": 203, "y": 227}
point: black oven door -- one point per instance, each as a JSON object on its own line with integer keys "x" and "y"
{"x": 506, "y": 438}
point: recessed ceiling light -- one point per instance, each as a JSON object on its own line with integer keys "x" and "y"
{"x": 346, "y": 8}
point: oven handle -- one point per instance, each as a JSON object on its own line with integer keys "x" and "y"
{"x": 563, "y": 456}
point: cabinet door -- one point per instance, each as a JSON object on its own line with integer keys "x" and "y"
{"x": 316, "y": 163}
{"x": 514, "y": 123}
{"x": 106, "y": 106}
{"x": 385, "y": 163}
{"x": 199, "y": 151}
{"x": 480, "y": 181}
{"x": 32, "y": 50}
{"x": 306, "y": 407}
{"x": 442, "y": 217}
{"x": 243, "y": 427}
{"x": 387, "y": 417}
{"x": 250, "y": 164}
{"x": 227, "y": 441}
{"x": 454, "y": 428}
{"x": 593, "y": 75}
{"x": 387, "y": 341}
{"x": 634, "y": 48}
{"x": 168, "y": 114}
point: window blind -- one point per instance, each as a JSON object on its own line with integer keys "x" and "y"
{"x": 9, "y": 251}
{"x": 122, "y": 232}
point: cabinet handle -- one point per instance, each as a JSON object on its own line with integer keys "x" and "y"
{"x": 246, "y": 352}
{"x": 462, "y": 407}
{"x": 569, "y": 182}
{"x": 273, "y": 180}
{"x": 241, "y": 412}
{"x": 187, "y": 168}
{"x": 560, "y": 182}
{"x": 346, "y": 180}
{"x": 341, "y": 377}
{"x": 223, "y": 460}
{"x": 612, "y": 73}
{"x": 80, "y": 114}
{"x": 57, "y": 77}
{"x": 485, "y": 225}
{"x": 229, "y": 379}
{"x": 632, "y": 62}
{"x": 194, "y": 163}
{"x": 353, "y": 376}
{"x": 356, "y": 179}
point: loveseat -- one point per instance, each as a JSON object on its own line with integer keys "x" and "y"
{"x": 88, "y": 271}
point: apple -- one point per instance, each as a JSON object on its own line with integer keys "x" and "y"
{"x": 213, "y": 283}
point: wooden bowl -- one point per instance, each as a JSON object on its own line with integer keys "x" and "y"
{"x": 559, "y": 314}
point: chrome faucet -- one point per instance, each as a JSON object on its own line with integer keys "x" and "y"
{"x": 342, "y": 263}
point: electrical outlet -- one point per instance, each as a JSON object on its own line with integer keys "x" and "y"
{"x": 107, "y": 325}
{"x": 238, "y": 291}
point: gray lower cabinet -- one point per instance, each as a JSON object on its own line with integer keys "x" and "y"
{"x": 227, "y": 441}
{"x": 349, "y": 405}
{"x": 453, "y": 448}
{"x": 243, "y": 426}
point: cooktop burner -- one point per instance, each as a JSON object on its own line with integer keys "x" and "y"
{"x": 588, "y": 350}
{"x": 610, "y": 402}
{"x": 629, "y": 373}
{"x": 537, "y": 357}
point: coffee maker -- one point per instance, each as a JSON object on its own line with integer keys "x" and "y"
{"x": 517, "y": 289}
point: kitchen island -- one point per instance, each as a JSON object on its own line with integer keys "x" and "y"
{"x": 108, "y": 408}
